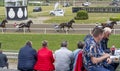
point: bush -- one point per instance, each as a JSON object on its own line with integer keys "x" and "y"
{"x": 115, "y": 19}
{"x": 2, "y": 17}
{"x": 81, "y": 15}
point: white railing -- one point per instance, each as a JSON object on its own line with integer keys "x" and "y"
{"x": 51, "y": 31}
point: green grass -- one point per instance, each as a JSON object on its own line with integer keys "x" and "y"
{"x": 16, "y": 41}
{"x": 93, "y": 17}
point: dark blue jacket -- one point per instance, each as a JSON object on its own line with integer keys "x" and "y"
{"x": 104, "y": 46}
{"x": 3, "y": 60}
{"x": 26, "y": 58}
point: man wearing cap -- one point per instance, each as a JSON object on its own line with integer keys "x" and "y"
{"x": 63, "y": 58}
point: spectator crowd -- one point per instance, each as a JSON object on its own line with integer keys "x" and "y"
{"x": 91, "y": 55}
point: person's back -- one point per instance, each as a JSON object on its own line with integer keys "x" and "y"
{"x": 76, "y": 52}
{"x": 63, "y": 59}
{"x": 45, "y": 59}
{"x": 26, "y": 58}
{"x": 3, "y": 60}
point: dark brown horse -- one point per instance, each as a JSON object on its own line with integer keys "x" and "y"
{"x": 68, "y": 25}
{"x": 23, "y": 25}
{"x": 3, "y": 24}
{"x": 110, "y": 25}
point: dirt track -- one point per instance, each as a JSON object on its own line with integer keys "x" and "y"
{"x": 49, "y": 28}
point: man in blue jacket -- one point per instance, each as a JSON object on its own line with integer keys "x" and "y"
{"x": 27, "y": 57}
{"x": 3, "y": 60}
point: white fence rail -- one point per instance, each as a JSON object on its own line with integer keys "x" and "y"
{"x": 51, "y": 31}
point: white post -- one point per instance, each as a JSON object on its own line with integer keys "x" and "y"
{"x": 45, "y": 31}
{"x": 114, "y": 31}
{"x": 66, "y": 31}
{"x": 24, "y": 30}
{"x": 90, "y": 30}
{"x": 2, "y": 30}
{"x": 23, "y": 3}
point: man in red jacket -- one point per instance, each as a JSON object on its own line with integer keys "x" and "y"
{"x": 45, "y": 59}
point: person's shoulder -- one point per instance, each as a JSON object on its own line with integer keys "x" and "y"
{"x": 70, "y": 51}
{"x": 90, "y": 41}
{"x": 33, "y": 49}
{"x": 22, "y": 48}
{"x": 3, "y": 54}
{"x": 48, "y": 50}
{"x": 56, "y": 51}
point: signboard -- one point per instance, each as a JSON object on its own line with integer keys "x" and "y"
{"x": 16, "y": 9}
{"x": 97, "y": 9}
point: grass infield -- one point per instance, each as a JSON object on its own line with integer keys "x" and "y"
{"x": 16, "y": 41}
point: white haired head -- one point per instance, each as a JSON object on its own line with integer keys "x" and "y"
{"x": 107, "y": 32}
{"x": 107, "y": 29}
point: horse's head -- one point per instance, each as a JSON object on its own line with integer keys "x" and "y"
{"x": 114, "y": 22}
{"x": 5, "y": 21}
{"x": 30, "y": 22}
{"x": 103, "y": 25}
{"x": 72, "y": 21}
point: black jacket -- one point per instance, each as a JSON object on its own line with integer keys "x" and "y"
{"x": 104, "y": 46}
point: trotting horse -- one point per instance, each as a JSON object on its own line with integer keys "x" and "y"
{"x": 68, "y": 25}
{"x": 23, "y": 25}
{"x": 3, "y": 24}
{"x": 110, "y": 25}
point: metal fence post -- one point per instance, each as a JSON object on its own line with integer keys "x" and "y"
{"x": 66, "y": 31}
{"x": 90, "y": 30}
{"x": 114, "y": 31}
{"x": 45, "y": 31}
{"x": 24, "y": 30}
{"x": 2, "y": 30}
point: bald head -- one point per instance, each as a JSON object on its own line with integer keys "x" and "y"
{"x": 64, "y": 44}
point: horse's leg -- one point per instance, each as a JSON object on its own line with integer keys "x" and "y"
{"x": 29, "y": 29}
{"x": 21, "y": 29}
{"x": 64, "y": 29}
{"x": 4, "y": 29}
{"x": 58, "y": 29}
{"x": 72, "y": 28}
{"x": 68, "y": 29}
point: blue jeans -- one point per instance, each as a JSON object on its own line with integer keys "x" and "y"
{"x": 98, "y": 69}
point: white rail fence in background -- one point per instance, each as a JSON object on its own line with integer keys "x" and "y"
{"x": 51, "y": 31}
